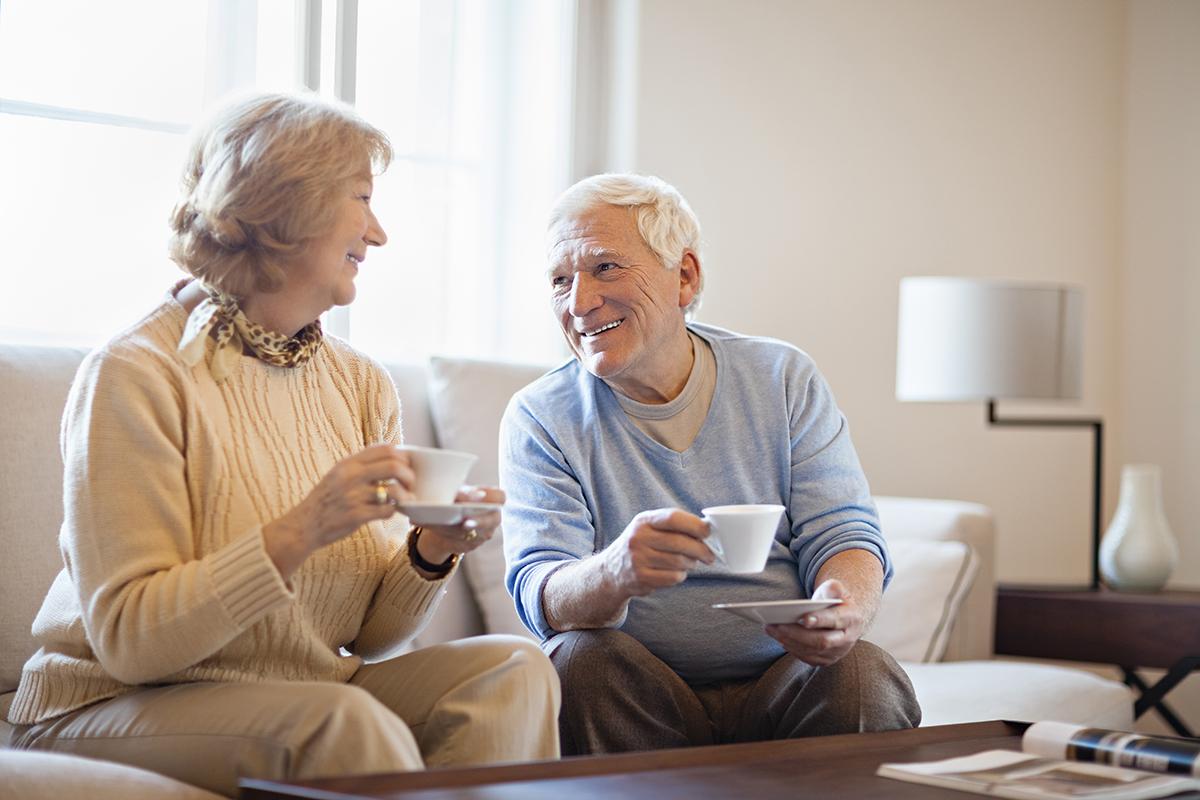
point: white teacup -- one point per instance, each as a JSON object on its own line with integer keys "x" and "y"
{"x": 440, "y": 473}
{"x": 740, "y": 536}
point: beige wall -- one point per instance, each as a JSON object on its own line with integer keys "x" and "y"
{"x": 1160, "y": 283}
{"x": 1160, "y": 279}
{"x": 831, "y": 148}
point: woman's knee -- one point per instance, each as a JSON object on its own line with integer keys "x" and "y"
{"x": 528, "y": 668}
{"x": 343, "y": 729}
{"x": 212, "y": 734}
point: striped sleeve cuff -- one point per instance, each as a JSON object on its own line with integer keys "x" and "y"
{"x": 406, "y": 589}
{"x": 246, "y": 580}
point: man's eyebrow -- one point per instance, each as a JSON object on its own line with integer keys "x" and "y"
{"x": 588, "y": 253}
{"x": 600, "y": 252}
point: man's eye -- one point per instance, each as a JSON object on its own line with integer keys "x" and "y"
{"x": 559, "y": 281}
{"x": 607, "y": 266}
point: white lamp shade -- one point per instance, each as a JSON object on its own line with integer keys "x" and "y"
{"x": 967, "y": 339}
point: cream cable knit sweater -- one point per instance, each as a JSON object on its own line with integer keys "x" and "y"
{"x": 169, "y": 478}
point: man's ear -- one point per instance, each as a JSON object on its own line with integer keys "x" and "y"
{"x": 689, "y": 278}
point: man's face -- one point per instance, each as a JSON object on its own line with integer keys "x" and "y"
{"x": 620, "y": 309}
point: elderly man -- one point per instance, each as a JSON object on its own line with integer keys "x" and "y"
{"x": 606, "y": 461}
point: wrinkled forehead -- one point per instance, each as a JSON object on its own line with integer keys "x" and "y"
{"x": 590, "y": 232}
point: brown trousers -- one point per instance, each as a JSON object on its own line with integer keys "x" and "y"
{"x": 617, "y": 696}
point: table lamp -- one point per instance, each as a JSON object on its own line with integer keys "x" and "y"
{"x": 967, "y": 339}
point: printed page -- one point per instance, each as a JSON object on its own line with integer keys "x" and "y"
{"x": 1004, "y": 773}
{"x": 1116, "y": 748}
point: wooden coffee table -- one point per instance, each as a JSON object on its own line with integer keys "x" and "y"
{"x": 825, "y": 767}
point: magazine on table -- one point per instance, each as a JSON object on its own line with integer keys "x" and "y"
{"x": 1058, "y": 760}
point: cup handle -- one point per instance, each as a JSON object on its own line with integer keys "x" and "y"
{"x": 714, "y": 545}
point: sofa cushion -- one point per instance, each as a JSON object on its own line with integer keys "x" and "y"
{"x": 33, "y": 775}
{"x": 412, "y": 386}
{"x": 974, "y": 691}
{"x": 923, "y": 600}
{"x": 467, "y": 400}
{"x": 457, "y": 615}
{"x": 906, "y": 518}
{"x": 33, "y": 391}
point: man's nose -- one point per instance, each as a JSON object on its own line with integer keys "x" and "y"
{"x": 584, "y": 297}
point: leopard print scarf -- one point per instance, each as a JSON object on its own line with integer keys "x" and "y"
{"x": 233, "y": 333}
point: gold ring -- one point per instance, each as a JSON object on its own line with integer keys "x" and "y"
{"x": 472, "y": 535}
{"x": 381, "y": 494}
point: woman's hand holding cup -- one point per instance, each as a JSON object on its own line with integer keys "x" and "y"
{"x": 358, "y": 489}
{"x": 439, "y": 475}
{"x": 439, "y": 542}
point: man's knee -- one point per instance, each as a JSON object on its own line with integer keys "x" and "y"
{"x": 586, "y": 658}
{"x": 871, "y": 690}
{"x": 886, "y": 682}
{"x": 618, "y": 696}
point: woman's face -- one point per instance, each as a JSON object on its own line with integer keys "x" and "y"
{"x": 326, "y": 269}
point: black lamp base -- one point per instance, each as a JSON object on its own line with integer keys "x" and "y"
{"x": 1097, "y": 426}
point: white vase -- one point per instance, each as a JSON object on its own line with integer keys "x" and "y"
{"x": 1138, "y": 552}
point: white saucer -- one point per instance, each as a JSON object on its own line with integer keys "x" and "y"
{"x": 445, "y": 513}
{"x": 776, "y": 612}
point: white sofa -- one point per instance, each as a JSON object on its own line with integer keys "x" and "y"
{"x": 937, "y": 617}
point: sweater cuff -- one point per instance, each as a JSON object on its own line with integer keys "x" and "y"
{"x": 246, "y": 580}
{"x": 809, "y": 578}
{"x": 405, "y": 588}
{"x": 533, "y": 591}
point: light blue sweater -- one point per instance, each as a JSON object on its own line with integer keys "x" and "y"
{"x": 577, "y": 470}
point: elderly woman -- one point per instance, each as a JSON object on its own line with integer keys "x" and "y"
{"x": 233, "y": 552}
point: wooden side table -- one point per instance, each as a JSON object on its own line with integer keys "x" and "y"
{"x": 1160, "y": 630}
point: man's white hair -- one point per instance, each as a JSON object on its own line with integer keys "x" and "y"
{"x": 665, "y": 221}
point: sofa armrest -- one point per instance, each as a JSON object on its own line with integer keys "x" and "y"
{"x": 972, "y": 634}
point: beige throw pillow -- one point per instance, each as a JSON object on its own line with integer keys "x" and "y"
{"x": 467, "y": 399}
{"x": 920, "y": 605}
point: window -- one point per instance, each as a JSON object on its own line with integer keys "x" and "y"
{"x": 476, "y": 99}
{"x": 96, "y": 100}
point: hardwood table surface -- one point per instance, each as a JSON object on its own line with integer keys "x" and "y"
{"x": 820, "y": 767}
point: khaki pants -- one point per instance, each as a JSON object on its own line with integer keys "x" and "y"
{"x": 476, "y": 701}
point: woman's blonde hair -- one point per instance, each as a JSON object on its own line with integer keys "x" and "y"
{"x": 261, "y": 181}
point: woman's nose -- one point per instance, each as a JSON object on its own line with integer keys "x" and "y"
{"x": 375, "y": 233}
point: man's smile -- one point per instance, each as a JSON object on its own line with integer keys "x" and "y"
{"x": 606, "y": 327}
